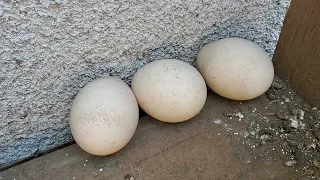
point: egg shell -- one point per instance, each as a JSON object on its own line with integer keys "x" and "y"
{"x": 236, "y": 68}
{"x": 169, "y": 90}
{"x": 104, "y": 116}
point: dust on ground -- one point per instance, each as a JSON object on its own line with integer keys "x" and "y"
{"x": 281, "y": 126}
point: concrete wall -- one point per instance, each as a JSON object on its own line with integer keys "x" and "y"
{"x": 51, "y": 48}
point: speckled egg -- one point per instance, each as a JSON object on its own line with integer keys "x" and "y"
{"x": 169, "y": 90}
{"x": 236, "y": 68}
{"x": 104, "y": 116}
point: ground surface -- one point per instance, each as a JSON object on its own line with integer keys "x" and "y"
{"x": 275, "y": 136}
{"x": 49, "y": 49}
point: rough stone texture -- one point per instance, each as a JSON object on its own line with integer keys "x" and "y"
{"x": 51, "y": 48}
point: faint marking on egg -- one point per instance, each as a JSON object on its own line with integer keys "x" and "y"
{"x": 236, "y": 68}
{"x": 169, "y": 90}
{"x": 104, "y": 116}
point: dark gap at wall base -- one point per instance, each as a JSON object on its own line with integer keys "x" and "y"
{"x": 37, "y": 155}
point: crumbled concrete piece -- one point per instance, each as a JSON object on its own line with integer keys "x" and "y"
{"x": 218, "y": 121}
{"x": 233, "y": 113}
{"x": 294, "y": 122}
{"x": 291, "y": 163}
{"x": 301, "y": 114}
{"x": 271, "y": 95}
{"x": 240, "y": 115}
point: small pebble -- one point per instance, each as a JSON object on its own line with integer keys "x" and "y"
{"x": 272, "y": 96}
{"x": 287, "y": 100}
{"x": 239, "y": 115}
{"x": 291, "y": 163}
{"x": 100, "y": 170}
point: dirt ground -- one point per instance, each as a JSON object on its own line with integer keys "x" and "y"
{"x": 275, "y": 136}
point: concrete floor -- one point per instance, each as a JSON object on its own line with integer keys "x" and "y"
{"x": 197, "y": 149}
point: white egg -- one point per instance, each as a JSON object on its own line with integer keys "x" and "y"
{"x": 104, "y": 116}
{"x": 236, "y": 68}
{"x": 169, "y": 90}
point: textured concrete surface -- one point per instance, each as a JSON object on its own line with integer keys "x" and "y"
{"x": 51, "y": 48}
{"x": 200, "y": 148}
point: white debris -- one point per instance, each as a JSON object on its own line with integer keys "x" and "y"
{"x": 246, "y": 134}
{"x": 265, "y": 137}
{"x": 294, "y": 122}
{"x": 239, "y": 115}
{"x": 287, "y": 100}
{"x": 301, "y": 114}
{"x": 291, "y": 163}
{"x": 100, "y": 170}
{"x": 253, "y": 110}
{"x": 218, "y": 121}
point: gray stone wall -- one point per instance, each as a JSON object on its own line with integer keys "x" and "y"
{"x": 51, "y": 48}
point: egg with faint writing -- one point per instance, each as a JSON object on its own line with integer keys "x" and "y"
{"x": 104, "y": 116}
{"x": 236, "y": 68}
{"x": 169, "y": 90}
